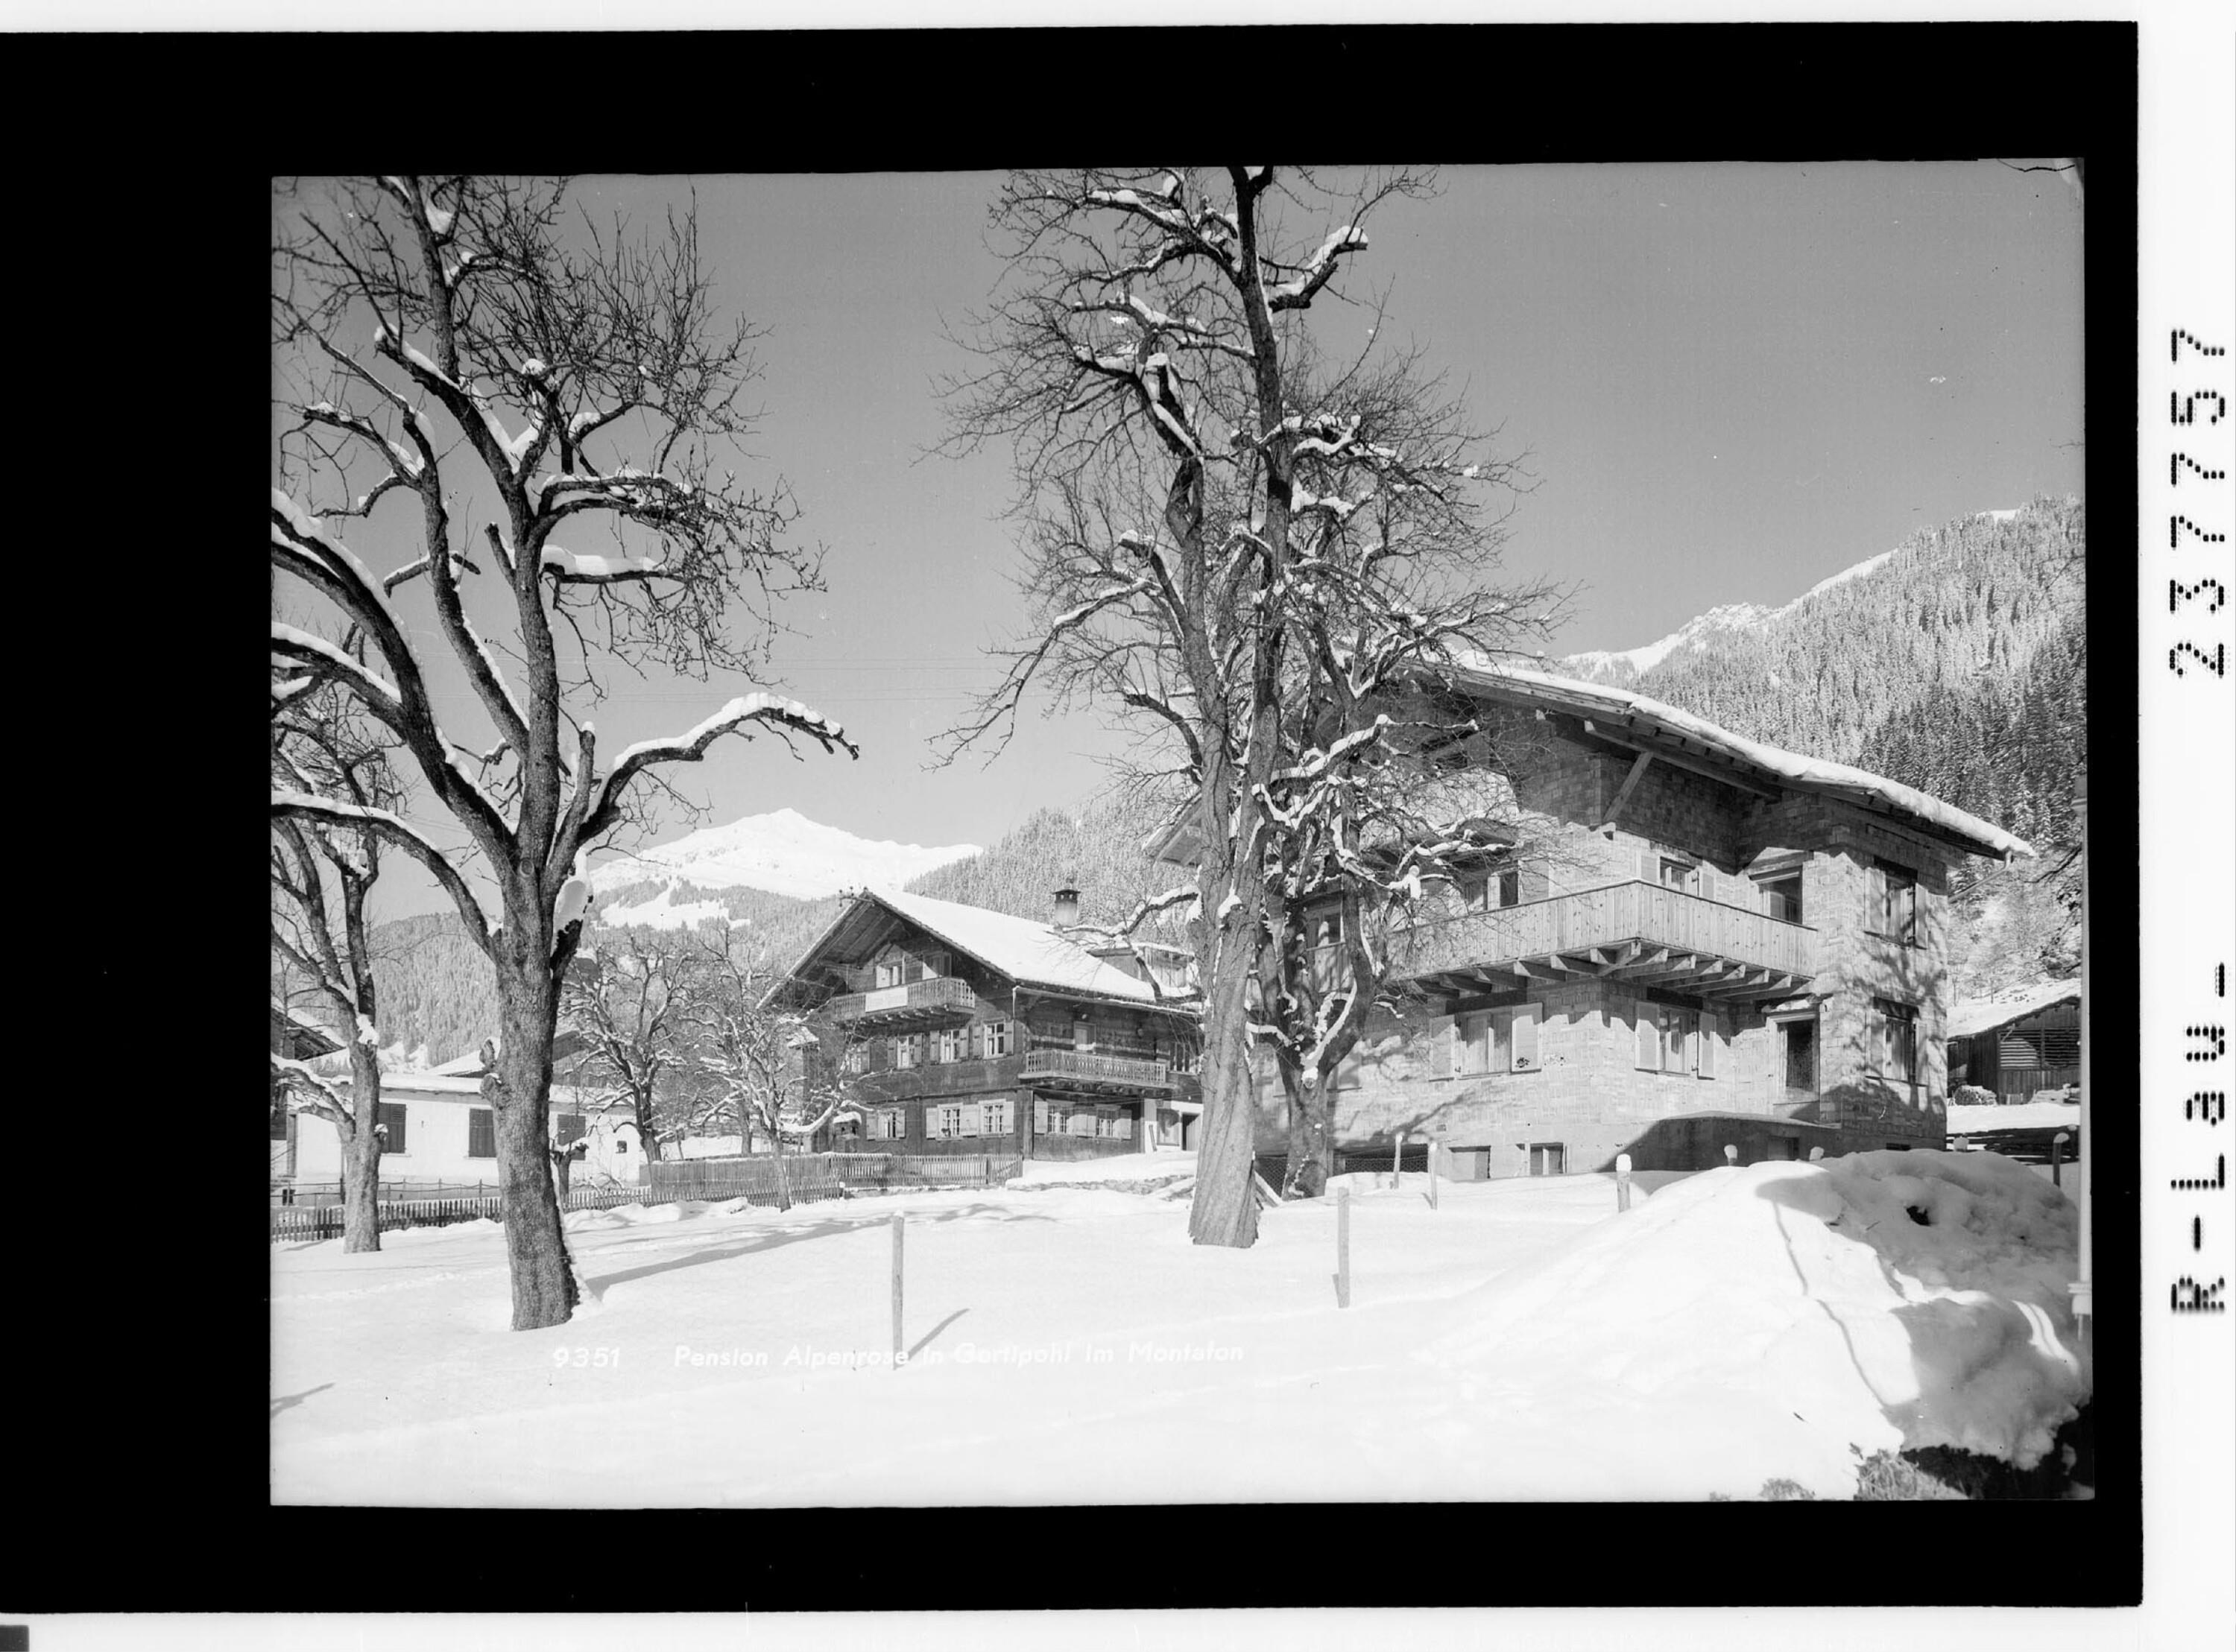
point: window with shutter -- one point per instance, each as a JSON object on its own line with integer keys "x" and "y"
{"x": 1525, "y": 1036}
{"x": 966, "y": 1120}
{"x": 1712, "y": 1035}
{"x": 1649, "y": 1039}
{"x": 390, "y": 1117}
{"x": 481, "y": 1133}
{"x": 570, "y": 1129}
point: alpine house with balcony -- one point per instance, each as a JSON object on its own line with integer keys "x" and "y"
{"x": 1700, "y": 942}
{"x": 957, "y": 1029}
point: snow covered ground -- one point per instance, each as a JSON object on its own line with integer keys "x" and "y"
{"x": 1068, "y": 1345}
{"x": 2025, "y": 1115}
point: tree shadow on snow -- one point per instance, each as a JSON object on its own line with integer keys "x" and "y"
{"x": 288, "y": 1401}
{"x": 772, "y": 1239}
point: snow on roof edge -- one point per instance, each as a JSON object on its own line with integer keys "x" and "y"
{"x": 1789, "y": 766}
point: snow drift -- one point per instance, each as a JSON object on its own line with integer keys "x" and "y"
{"x": 1888, "y": 1299}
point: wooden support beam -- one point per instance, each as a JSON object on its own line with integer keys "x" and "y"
{"x": 1729, "y": 775}
{"x": 1623, "y": 793}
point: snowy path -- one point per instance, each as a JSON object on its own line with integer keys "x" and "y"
{"x": 1069, "y": 1345}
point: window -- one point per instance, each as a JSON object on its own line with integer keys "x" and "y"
{"x": 1667, "y": 1038}
{"x": 997, "y": 1034}
{"x": 1894, "y": 902}
{"x": 1898, "y": 1039}
{"x": 889, "y": 973}
{"x": 1547, "y": 1158}
{"x": 1185, "y": 1055}
{"x": 481, "y": 1133}
{"x": 1678, "y": 875}
{"x": 889, "y": 1125}
{"x": 952, "y": 1044}
{"x": 389, "y": 1117}
{"x": 569, "y": 1129}
{"x": 1472, "y": 1043}
{"x": 994, "y": 1119}
{"x": 909, "y": 1050}
{"x": 952, "y": 1121}
{"x": 1678, "y": 1028}
{"x": 854, "y": 1059}
{"x": 1509, "y": 888}
{"x": 1781, "y": 897}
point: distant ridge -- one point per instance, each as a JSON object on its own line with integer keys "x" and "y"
{"x": 781, "y": 853}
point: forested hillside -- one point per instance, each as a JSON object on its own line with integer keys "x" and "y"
{"x": 1096, "y": 850}
{"x": 1952, "y": 607}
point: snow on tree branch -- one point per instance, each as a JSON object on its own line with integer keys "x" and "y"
{"x": 390, "y": 827}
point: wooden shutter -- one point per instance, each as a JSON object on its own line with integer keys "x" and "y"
{"x": 1649, "y": 1037}
{"x": 969, "y": 1119}
{"x": 392, "y": 1115}
{"x": 1712, "y": 1033}
{"x": 1525, "y": 1036}
{"x": 1875, "y": 898}
{"x": 1535, "y": 883}
{"x": 1442, "y": 1047}
{"x": 1649, "y": 866}
{"x": 481, "y": 1133}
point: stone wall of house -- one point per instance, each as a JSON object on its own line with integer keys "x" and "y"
{"x": 1588, "y": 1091}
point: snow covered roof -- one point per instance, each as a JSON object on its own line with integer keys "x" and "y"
{"x": 1971, "y": 1016}
{"x": 1649, "y": 719}
{"x": 293, "y": 1036}
{"x": 1030, "y": 953}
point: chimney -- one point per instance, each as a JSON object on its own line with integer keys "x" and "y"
{"x": 1067, "y": 907}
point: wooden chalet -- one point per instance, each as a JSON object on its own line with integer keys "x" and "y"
{"x": 960, "y": 1030}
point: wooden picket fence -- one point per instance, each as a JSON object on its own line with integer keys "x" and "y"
{"x": 310, "y": 1221}
{"x": 808, "y": 1177}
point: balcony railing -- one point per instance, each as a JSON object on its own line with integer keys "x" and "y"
{"x": 1085, "y": 1069}
{"x": 919, "y": 1003}
{"x": 1633, "y": 930}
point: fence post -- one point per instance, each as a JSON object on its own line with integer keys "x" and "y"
{"x": 1622, "y": 1182}
{"x": 1398, "y": 1162}
{"x": 2057, "y": 1157}
{"x": 1343, "y": 1247}
{"x": 896, "y": 1290}
{"x": 1730, "y": 1155}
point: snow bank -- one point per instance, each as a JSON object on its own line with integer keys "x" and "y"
{"x": 1884, "y": 1298}
{"x": 1142, "y": 1172}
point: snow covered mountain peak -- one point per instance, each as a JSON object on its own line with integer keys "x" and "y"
{"x": 1730, "y": 616}
{"x": 782, "y": 852}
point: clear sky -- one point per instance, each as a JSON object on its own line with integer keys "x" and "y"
{"x": 1730, "y": 380}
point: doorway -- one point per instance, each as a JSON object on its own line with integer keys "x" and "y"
{"x": 1797, "y": 1052}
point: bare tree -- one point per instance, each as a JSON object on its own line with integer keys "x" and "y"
{"x": 1383, "y": 802}
{"x": 635, "y": 999}
{"x": 322, "y": 873}
{"x": 765, "y": 1065}
{"x": 468, "y": 349}
{"x": 1148, "y": 360}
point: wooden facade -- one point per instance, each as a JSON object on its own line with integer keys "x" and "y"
{"x": 2039, "y": 1050}
{"x": 946, "y": 1052}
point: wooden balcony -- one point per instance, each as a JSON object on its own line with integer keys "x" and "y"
{"x": 939, "y": 1000}
{"x": 1088, "y": 1071}
{"x": 1636, "y": 932}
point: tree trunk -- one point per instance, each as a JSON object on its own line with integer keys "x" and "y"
{"x": 776, "y": 1159}
{"x": 361, "y": 1153}
{"x": 542, "y": 1278}
{"x": 1311, "y": 1137}
{"x": 1224, "y": 1210}
{"x": 562, "y": 1173}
